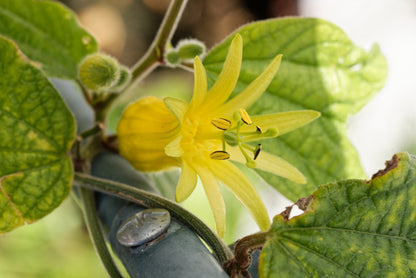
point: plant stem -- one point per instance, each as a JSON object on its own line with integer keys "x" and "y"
{"x": 96, "y": 235}
{"x": 238, "y": 266}
{"x": 154, "y": 56}
{"x": 220, "y": 249}
{"x": 246, "y": 245}
{"x": 103, "y": 106}
{"x": 97, "y": 128}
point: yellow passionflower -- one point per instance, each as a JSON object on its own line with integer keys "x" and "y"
{"x": 204, "y": 136}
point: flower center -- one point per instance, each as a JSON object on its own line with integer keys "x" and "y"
{"x": 233, "y": 136}
{"x": 192, "y": 143}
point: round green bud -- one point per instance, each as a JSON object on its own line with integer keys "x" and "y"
{"x": 99, "y": 71}
{"x": 172, "y": 57}
{"x": 124, "y": 80}
{"x": 190, "y": 48}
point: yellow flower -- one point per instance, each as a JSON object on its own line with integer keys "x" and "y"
{"x": 204, "y": 136}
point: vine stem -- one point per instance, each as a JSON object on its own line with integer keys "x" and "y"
{"x": 238, "y": 266}
{"x": 144, "y": 198}
{"x": 96, "y": 235}
{"x": 246, "y": 245}
{"x": 154, "y": 55}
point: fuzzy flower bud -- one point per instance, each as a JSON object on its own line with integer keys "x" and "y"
{"x": 172, "y": 57}
{"x": 189, "y": 48}
{"x": 99, "y": 72}
{"x": 124, "y": 80}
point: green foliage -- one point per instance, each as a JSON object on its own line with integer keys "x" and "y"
{"x": 321, "y": 70}
{"x": 48, "y": 33}
{"x": 354, "y": 228}
{"x": 36, "y": 132}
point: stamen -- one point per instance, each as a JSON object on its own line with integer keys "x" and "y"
{"x": 221, "y": 123}
{"x": 245, "y": 117}
{"x": 219, "y": 155}
{"x": 259, "y": 130}
{"x": 230, "y": 138}
{"x": 257, "y": 151}
{"x": 250, "y": 163}
{"x": 254, "y": 136}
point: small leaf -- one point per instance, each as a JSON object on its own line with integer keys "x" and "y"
{"x": 36, "y": 131}
{"x": 48, "y": 33}
{"x": 321, "y": 70}
{"x": 354, "y": 228}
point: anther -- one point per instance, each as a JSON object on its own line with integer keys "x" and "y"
{"x": 245, "y": 117}
{"x": 221, "y": 123}
{"x": 257, "y": 151}
{"x": 259, "y": 130}
{"x": 219, "y": 155}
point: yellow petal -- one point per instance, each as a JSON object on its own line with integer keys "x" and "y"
{"x": 176, "y": 106}
{"x": 187, "y": 182}
{"x": 279, "y": 166}
{"x": 174, "y": 149}
{"x": 228, "y": 77}
{"x": 283, "y": 122}
{"x": 253, "y": 91}
{"x": 144, "y": 130}
{"x": 215, "y": 199}
{"x": 241, "y": 187}
{"x": 270, "y": 163}
{"x": 200, "y": 84}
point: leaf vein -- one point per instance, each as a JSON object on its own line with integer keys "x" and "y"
{"x": 53, "y": 144}
{"x": 296, "y": 260}
{"x": 322, "y": 256}
{"x": 30, "y": 25}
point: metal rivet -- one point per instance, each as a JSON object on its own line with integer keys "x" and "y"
{"x": 143, "y": 227}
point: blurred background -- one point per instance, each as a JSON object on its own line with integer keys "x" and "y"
{"x": 58, "y": 245}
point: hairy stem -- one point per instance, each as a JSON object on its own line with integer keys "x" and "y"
{"x": 245, "y": 246}
{"x": 154, "y": 56}
{"x": 96, "y": 235}
{"x": 220, "y": 249}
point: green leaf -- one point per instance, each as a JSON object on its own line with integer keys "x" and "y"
{"x": 354, "y": 228}
{"x": 321, "y": 70}
{"x": 48, "y": 33}
{"x": 36, "y": 131}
